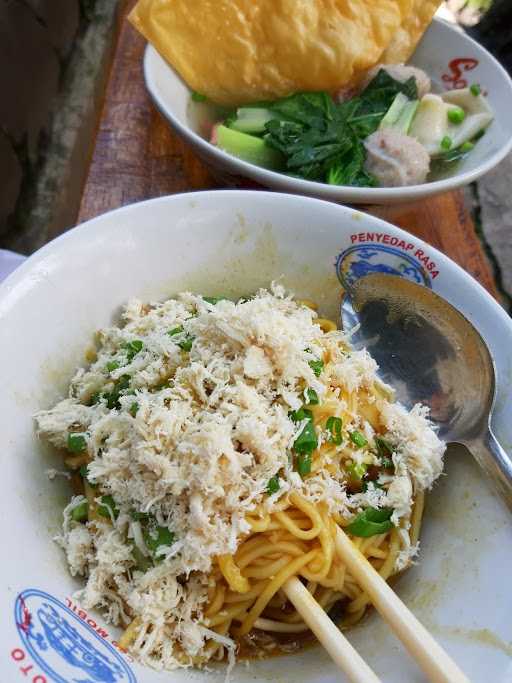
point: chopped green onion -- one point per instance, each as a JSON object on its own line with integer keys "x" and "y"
{"x": 273, "y": 485}
{"x": 120, "y": 387}
{"x": 108, "y": 508}
{"x": 186, "y": 345}
{"x": 95, "y": 398}
{"x": 80, "y": 512}
{"x": 384, "y": 452}
{"x": 307, "y": 440}
{"x": 446, "y": 142}
{"x": 456, "y": 115}
{"x": 197, "y": 97}
{"x": 317, "y": 366}
{"x": 384, "y": 448}
{"x": 304, "y": 464}
{"x": 358, "y": 439}
{"x": 134, "y": 408}
{"x": 123, "y": 382}
{"x": 334, "y": 425}
{"x": 367, "y": 483}
{"x": 301, "y": 414}
{"x": 475, "y": 89}
{"x": 371, "y": 522}
{"x": 357, "y": 470}
{"x": 312, "y": 397}
{"x": 76, "y": 443}
{"x": 156, "y": 537}
{"x": 133, "y": 348}
{"x": 112, "y": 365}
{"x": 139, "y": 516}
{"x": 84, "y": 473}
{"x": 214, "y": 299}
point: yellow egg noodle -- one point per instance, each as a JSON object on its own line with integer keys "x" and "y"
{"x": 215, "y": 447}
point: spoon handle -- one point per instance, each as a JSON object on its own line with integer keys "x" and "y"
{"x": 495, "y": 461}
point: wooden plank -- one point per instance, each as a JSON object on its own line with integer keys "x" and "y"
{"x": 136, "y": 156}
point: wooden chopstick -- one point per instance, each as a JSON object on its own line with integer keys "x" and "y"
{"x": 430, "y": 656}
{"x": 329, "y": 635}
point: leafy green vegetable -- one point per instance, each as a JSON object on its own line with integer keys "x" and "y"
{"x": 358, "y": 439}
{"x": 80, "y": 512}
{"x": 371, "y": 522}
{"x": 312, "y": 397}
{"x": 348, "y": 170}
{"x": 197, "y": 97}
{"x": 250, "y": 119}
{"x": 175, "y": 330}
{"x": 108, "y": 508}
{"x": 273, "y": 485}
{"x": 76, "y": 443}
{"x": 400, "y": 115}
{"x": 334, "y": 425}
{"x": 134, "y": 408}
{"x": 317, "y": 366}
{"x": 157, "y": 537}
{"x": 371, "y": 106}
{"x": 322, "y": 140}
{"x": 112, "y": 365}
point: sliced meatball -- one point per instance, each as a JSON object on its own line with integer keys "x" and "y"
{"x": 401, "y": 73}
{"x": 395, "y": 159}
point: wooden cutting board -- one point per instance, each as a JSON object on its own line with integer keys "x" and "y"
{"x": 136, "y": 156}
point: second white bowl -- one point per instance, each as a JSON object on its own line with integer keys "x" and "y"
{"x": 449, "y": 56}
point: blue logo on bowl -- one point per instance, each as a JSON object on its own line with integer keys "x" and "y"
{"x": 64, "y": 646}
{"x": 362, "y": 259}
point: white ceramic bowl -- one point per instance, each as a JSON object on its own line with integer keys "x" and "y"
{"x": 228, "y": 243}
{"x": 452, "y": 59}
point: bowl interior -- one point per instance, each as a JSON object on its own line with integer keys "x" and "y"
{"x": 229, "y": 243}
{"x": 448, "y": 55}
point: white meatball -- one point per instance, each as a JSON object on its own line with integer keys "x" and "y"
{"x": 401, "y": 73}
{"x": 395, "y": 159}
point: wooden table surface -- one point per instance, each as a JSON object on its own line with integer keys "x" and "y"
{"x": 136, "y": 156}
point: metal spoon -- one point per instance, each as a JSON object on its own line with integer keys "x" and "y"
{"x": 430, "y": 353}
